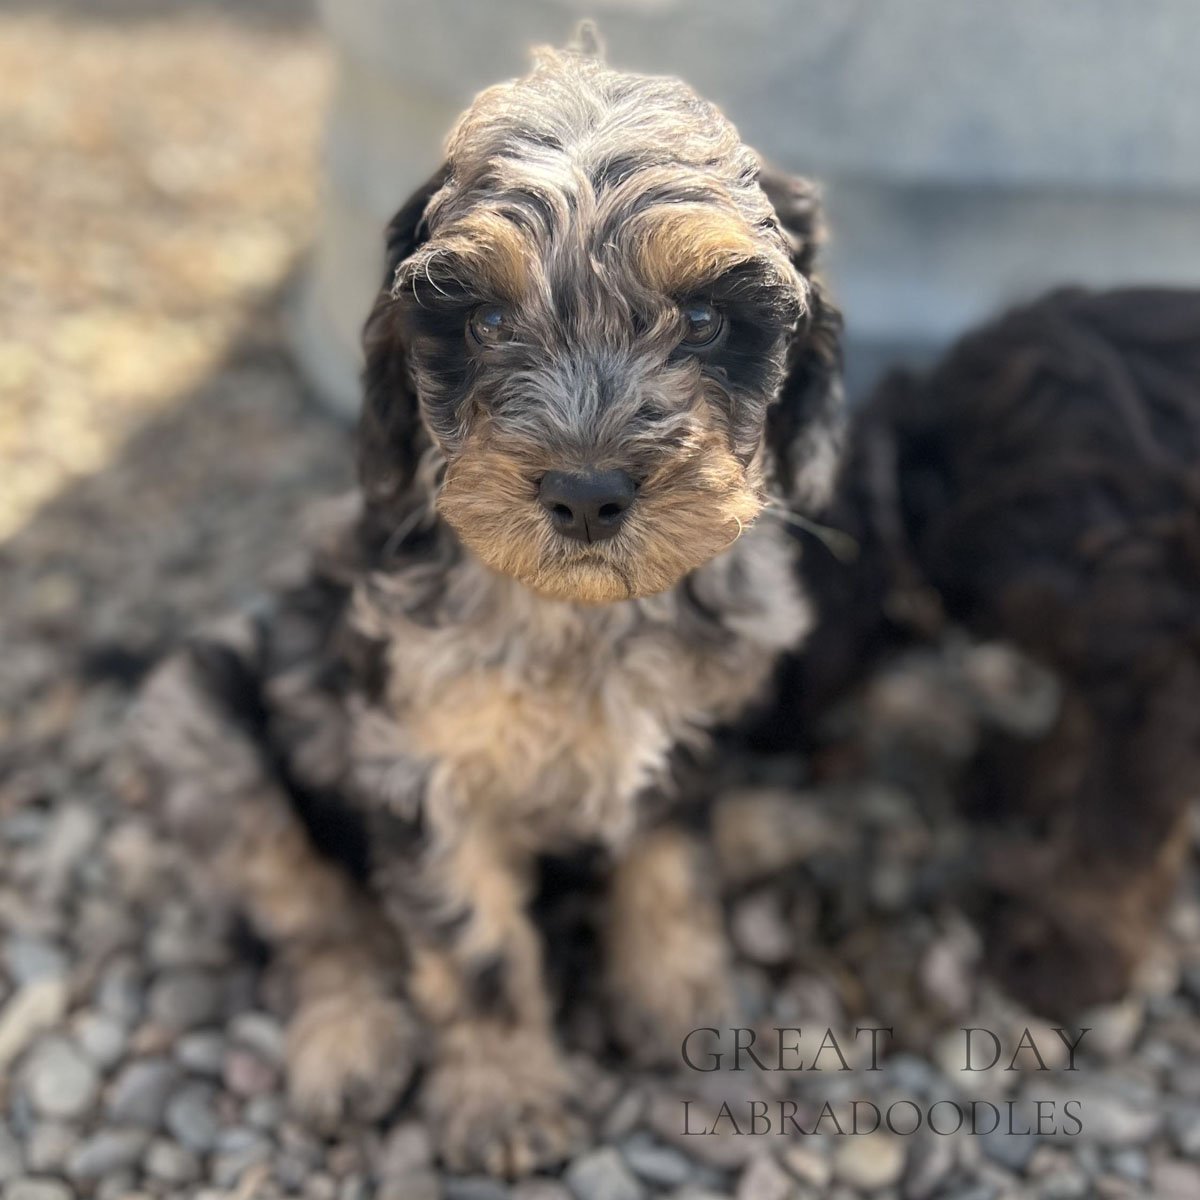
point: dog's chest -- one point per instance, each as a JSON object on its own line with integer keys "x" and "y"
{"x": 549, "y": 720}
{"x": 560, "y": 740}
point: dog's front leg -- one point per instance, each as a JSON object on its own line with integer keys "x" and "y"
{"x": 498, "y": 1092}
{"x": 351, "y": 1042}
{"x": 666, "y": 958}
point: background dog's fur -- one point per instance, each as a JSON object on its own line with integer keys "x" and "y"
{"x": 1040, "y": 485}
{"x": 368, "y": 766}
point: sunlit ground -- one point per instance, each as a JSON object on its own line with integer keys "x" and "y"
{"x": 159, "y": 178}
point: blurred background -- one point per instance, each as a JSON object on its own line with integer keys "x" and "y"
{"x": 175, "y": 173}
{"x": 970, "y": 153}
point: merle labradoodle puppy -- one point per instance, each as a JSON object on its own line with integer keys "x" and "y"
{"x": 1041, "y": 486}
{"x": 597, "y": 356}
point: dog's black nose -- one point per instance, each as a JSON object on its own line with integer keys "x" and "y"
{"x": 588, "y": 505}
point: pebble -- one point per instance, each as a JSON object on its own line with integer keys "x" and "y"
{"x": 930, "y": 1162}
{"x": 120, "y": 1185}
{"x": 170, "y": 946}
{"x": 1184, "y": 1122}
{"x": 725, "y": 1151}
{"x": 1185, "y": 1078}
{"x": 171, "y": 1162}
{"x": 1174, "y": 1180}
{"x": 1109, "y": 1119}
{"x": 623, "y": 1117}
{"x": 946, "y": 974}
{"x": 473, "y": 1187}
{"x": 48, "y": 1145}
{"x": 416, "y": 1185}
{"x": 1130, "y": 1164}
{"x": 1113, "y": 1187}
{"x": 913, "y": 1076}
{"x": 29, "y": 959}
{"x": 1067, "y": 1183}
{"x": 973, "y": 1191}
{"x": 73, "y": 829}
{"x": 765, "y": 1179}
{"x": 182, "y": 1000}
{"x": 1113, "y": 1029}
{"x": 33, "y": 1008}
{"x": 808, "y": 1165}
{"x": 119, "y": 991}
{"x": 264, "y": 1112}
{"x": 540, "y": 1189}
{"x": 107, "y": 1151}
{"x": 869, "y": 1162}
{"x": 37, "y": 1189}
{"x": 657, "y": 1164}
{"x": 230, "y": 1165}
{"x": 60, "y": 1079}
{"x": 11, "y": 1159}
{"x": 355, "y": 1187}
{"x": 139, "y": 1093}
{"x": 406, "y": 1148}
{"x": 760, "y": 929}
{"x": 201, "y": 1052}
{"x": 191, "y": 1117}
{"x": 246, "y": 1074}
{"x": 1010, "y": 1150}
{"x": 891, "y": 885}
{"x": 102, "y": 1037}
{"x": 323, "y": 1187}
{"x": 602, "y": 1175}
{"x": 261, "y": 1033}
{"x": 136, "y": 856}
{"x": 291, "y": 1171}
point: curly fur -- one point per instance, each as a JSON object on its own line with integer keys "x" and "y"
{"x": 1041, "y": 485}
{"x": 455, "y": 688}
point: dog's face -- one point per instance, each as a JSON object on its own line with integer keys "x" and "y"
{"x": 596, "y": 313}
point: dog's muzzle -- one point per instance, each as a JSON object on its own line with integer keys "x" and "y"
{"x": 587, "y": 505}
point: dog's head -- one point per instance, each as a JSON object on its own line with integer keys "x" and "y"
{"x": 598, "y": 328}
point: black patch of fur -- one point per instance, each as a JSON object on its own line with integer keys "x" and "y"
{"x": 811, "y": 394}
{"x": 336, "y": 828}
{"x": 113, "y": 662}
{"x": 391, "y": 436}
{"x": 488, "y": 987}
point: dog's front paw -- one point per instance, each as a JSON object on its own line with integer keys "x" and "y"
{"x": 501, "y": 1102}
{"x": 656, "y": 1006}
{"x": 349, "y": 1056}
{"x": 1057, "y": 970}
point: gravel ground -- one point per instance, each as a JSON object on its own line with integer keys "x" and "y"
{"x": 156, "y": 450}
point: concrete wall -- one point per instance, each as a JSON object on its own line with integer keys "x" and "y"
{"x": 971, "y": 152}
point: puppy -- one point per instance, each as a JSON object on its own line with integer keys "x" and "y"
{"x": 599, "y": 354}
{"x": 1040, "y": 485}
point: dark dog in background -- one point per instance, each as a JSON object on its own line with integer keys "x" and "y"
{"x": 598, "y": 355}
{"x": 1042, "y": 486}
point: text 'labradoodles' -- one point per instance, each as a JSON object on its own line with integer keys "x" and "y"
{"x": 597, "y": 357}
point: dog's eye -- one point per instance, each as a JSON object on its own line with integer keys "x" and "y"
{"x": 488, "y": 324}
{"x": 702, "y": 324}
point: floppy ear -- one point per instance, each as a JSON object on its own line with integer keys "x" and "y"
{"x": 391, "y": 436}
{"x": 804, "y": 425}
